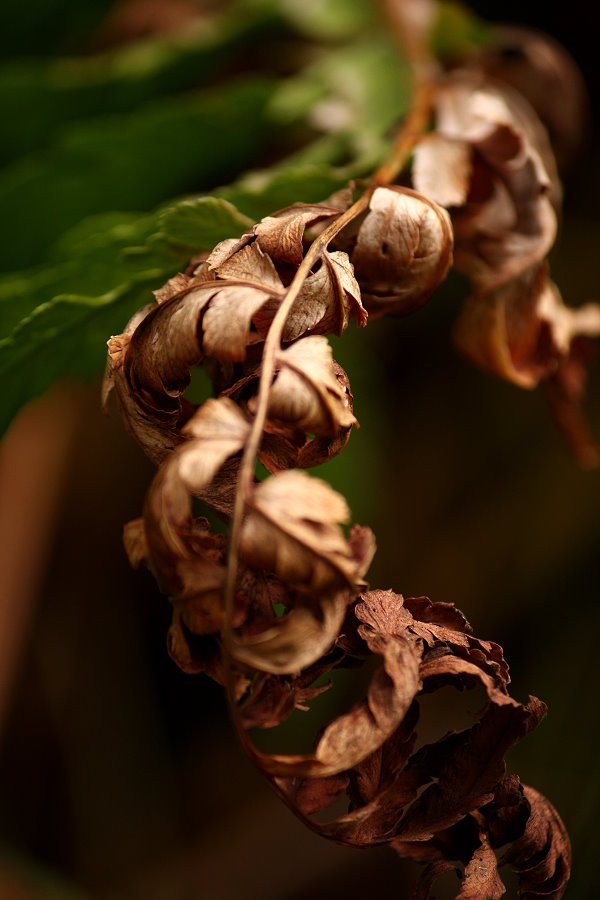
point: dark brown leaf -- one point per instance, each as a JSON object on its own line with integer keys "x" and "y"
{"x": 542, "y": 856}
{"x": 481, "y": 880}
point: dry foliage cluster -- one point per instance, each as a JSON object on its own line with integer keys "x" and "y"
{"x": 282, "y": 602}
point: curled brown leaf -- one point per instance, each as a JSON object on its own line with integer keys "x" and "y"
{"x": 542, "y": 855}
{"x": 490, "y": 160}
{"x": 543, "y": 72}
{"x": 403, "y": 250}
{"x": 306, "y": 392}
{"x": 524, "y": 333}
{"x": 292, "y": 528}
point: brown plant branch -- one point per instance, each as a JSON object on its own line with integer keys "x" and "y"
{"x": 246, "y": 473}
{"x": 409, "y": 133}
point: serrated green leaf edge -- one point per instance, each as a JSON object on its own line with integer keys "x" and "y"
{"x": 66, "y": 334}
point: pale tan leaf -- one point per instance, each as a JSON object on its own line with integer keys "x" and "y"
{"x": 226, "y": 323}
{"x": 492, "y": 244}
{"x": 306, "y": 392}
{"x": 292, "y": 529}
{"x": 567, "y": 323}
{"x": 219, "y": 430}
{"x": 136, "y": 545}
{"x": 252, "y": 265}
{"x": 176, "y": 285}
{"x": 506, "y": 220}
{"x": 117, "y": 351}
{"x": 543, "y": 72}
{"x": 403, "y": 250}
{"x": 296, "y": 641}
{"x": 442, "y": 169}
{"x": 281, "y": 235}
{"x": 327, "y": 300}
{"x": 147, "y": 379}
{"x": 226, "y": 249}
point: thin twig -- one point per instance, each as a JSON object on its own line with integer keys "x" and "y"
{"x": 410, "y": 132}
{"x": 246, "y": 473}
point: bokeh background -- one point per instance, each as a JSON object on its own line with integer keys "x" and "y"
{"x": 119, "y": 775}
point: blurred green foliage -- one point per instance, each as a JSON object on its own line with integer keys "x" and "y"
{"x": 99, "y": 136}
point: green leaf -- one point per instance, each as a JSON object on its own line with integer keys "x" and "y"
{"x": 355, "y": 94}
{"x": 457, "y": 31}
{"x": 131, "y": 162}
{"x": 200, "y": 223}
{"x": 39, "y": 97}
{"x": 323, "y": 19}
{"x": 260, "y": 193}
{"x": 60, "y": 316}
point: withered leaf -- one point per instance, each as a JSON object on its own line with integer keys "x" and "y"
{"x": 136, "y": 545}
{"x": 218, "y": 431}
{"x": 522, "y": 330}
{"x": 295, "y": 641}
{"x": 251, "y": 265}
{"x": 226, "y": 249}
{"x": 226, "y": 323}
{"x": 272, "y": 698}
{"x": 524, "y": 333}
{"x": 490, "y": 160}
{"x": 460, "y": 772}
{"x": 444, "y": 630}
{"x": 306, "y": 392}
{"x": 292, "y": 528}
{"x": 442, "y": 169}
{"x": 150, "y": 368}
{"x": 403, "y": 250}
{"x": 311, "y": 795}
{"x": 542, "y": 856}
{"x": 543, "y": 72}
{"x": 507, "y": 814}
{"x": 281, "y": 234}
{"x": 153, "y": 426}
{"x": 353, "y": 736}
{"x": 467, "y": 767}
{"x": 176, "y": 285}
{"x": 481, "y": 880}
{"x": 284, "y": 446}
{"x": 327, "y": 300}
{"x": 199, "y": 654}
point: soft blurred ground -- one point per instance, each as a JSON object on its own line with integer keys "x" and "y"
{"x": 120, "y": 776}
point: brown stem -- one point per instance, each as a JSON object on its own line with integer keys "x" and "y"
{"x": 412, "y": 128}
{"x": 410, "y": 22}
{"x": 412, "y": 37}
{"x": 246, "y": 473}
